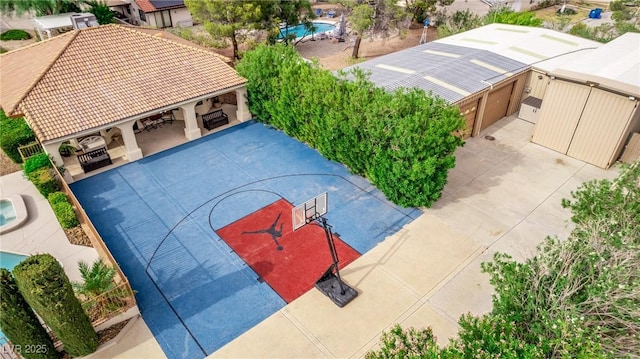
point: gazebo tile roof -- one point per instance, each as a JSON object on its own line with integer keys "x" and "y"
{"x": 109, "y": 73}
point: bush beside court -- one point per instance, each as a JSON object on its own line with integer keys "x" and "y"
{"x": 403, "y": 141}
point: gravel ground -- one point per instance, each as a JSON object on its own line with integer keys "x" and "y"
{"x": 6, "y": 165}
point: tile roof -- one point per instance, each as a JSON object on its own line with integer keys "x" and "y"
{"x": 93, "y": 77}
{"x": 145, "y": 5}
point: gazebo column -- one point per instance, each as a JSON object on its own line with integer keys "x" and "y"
{"x": 134, "y": 152}
{"x": 242, "y": 113}
{"x": 52, "y": 150}
{"x": 191, "y": 129}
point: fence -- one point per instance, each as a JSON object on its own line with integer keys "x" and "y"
{"x": 108, "y": 304}
{"x": 30, "y": 150}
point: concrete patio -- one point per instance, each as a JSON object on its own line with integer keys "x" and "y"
{"x": 41, "y": 233}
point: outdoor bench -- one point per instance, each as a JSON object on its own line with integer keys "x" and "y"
{"x": 215, "y": 118}
{"x": 94, "y": 159}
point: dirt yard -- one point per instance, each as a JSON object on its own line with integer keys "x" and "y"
{"x": 334, "y": 55}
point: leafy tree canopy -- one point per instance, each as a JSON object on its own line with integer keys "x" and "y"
{"x": 226, "y": 19}
{"x": 40, "y": 7}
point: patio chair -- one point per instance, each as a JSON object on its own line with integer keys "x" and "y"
{"x": 318, "y": 12}
{"x": 331, "y": 13}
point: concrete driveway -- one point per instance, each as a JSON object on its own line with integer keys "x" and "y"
{"x": 503, "y": 196}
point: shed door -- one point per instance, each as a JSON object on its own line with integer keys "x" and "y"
{"x": 469, "y": 111}
{"x": 604, "y": 121}
{"x": 559, "y": 115}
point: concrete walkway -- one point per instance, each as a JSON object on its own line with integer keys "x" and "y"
{"x": 504, "y": 195}
{"x": 41, "y": 233}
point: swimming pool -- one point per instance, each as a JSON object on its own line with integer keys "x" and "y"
{"x": 301, "y": 31}
{"x": 8, "y": 260}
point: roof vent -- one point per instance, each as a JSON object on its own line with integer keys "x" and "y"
{"x": 83, "y": 21}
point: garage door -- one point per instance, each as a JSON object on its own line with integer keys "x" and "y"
{"x": 497, "y": 105}
{"x": 604, "y": 120}
{"x": 469, "y": 111}
{"x": 559, "y": 115}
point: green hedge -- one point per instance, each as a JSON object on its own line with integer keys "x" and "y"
{"x": 44, "y": 181}
{"x": 63, "y": 210}
{"x": 20, "y": 325}
{"x": 41, "y": 160}
{"x": 14, "y": 34}
{"x": 14, "y": 133}
{"x": 47, "y": 289}
{"x": 402, "y": 141}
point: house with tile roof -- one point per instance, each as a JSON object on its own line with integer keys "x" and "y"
{"x": 154, "y": 13}
{"x": 109, "y": 81}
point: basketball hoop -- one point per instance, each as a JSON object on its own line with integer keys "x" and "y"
{"x": 330, "y": 283}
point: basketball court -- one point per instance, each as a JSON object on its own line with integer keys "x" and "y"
{"x": 204, "y": 231}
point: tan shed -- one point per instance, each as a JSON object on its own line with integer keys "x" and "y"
{"x": 590, "y": 107}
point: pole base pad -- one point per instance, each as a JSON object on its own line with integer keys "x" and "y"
{"x": 339, "y": 293}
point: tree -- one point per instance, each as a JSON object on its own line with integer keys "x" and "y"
{"x": 47, "y": 289}
{"x": 374, "y": 18}
{"x": 420, "y": 9}
{"x": 98, "y": 289}
{"x": 361, "y": 20}
{"x": 20, "y": 324}
{"x": 277, "y": 13}
{"x": 101, "y": 10}
{"x": 40, "y": 7}
{"x": 226, "y": 19}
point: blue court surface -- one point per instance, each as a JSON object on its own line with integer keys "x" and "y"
{"x": 159, "y": 217}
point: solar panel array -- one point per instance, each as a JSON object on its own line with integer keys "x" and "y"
{"x": 454, "y": 74}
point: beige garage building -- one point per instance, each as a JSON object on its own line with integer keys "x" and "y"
{"x": 498, "y": 70}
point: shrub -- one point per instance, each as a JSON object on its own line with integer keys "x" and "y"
{"x": 506, "y": 15}
{"x": 47, "y": 289}
{"x": 406, "y": 343}
{"x": 14, "y": 34}
{"x": 44, "y": 181}
{"x": 576, "y": 298}
{"x": 20, "y": 324}
{"x": 41, "y": 160}
{"x": 63, "y": 210}
{"x": 14, "y": 133}
{"x": 402, "y": 141}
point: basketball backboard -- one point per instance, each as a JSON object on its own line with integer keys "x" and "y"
{"x": 309, "y": 211}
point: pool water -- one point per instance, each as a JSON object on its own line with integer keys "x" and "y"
{"x": 8, "y": 261}
{"x": 301, "y": 31}
{"x": 7, "y": 213}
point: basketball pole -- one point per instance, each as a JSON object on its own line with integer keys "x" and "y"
{"x": 330, "y": 283}
{"x": 334, "y": 253}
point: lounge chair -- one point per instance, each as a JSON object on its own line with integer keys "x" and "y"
{"x": 318, "y": 12}
{"x": 331, "y": 13}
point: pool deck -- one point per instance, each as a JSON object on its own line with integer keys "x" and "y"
{"x": 41, "y": 232}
